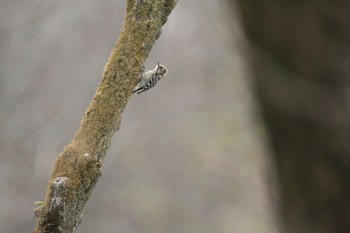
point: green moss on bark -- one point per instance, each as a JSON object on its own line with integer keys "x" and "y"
{"x": 77, "y": 168}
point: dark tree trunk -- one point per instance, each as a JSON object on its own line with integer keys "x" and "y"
{"x": 301, "y": 65}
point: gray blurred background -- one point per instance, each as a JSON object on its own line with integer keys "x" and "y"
{"x": 190, "y": 154}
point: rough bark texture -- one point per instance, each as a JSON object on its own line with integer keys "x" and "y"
{"x": 301, "y": 67}
{"x": 78, "y": 167}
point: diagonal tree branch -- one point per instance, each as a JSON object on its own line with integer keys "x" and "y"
{"x": 78, "y": 167}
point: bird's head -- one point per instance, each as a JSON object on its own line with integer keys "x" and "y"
{"x": 161, "y": 70}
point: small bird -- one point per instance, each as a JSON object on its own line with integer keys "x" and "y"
{"x": 150, "y": 78}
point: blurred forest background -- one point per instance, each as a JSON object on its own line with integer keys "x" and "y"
{"x": 187, "y": 158}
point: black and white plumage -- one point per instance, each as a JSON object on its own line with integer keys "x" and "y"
{"x": 150, "y": 78}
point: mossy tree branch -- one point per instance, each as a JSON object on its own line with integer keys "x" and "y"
{"x": 78, "y": 167}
